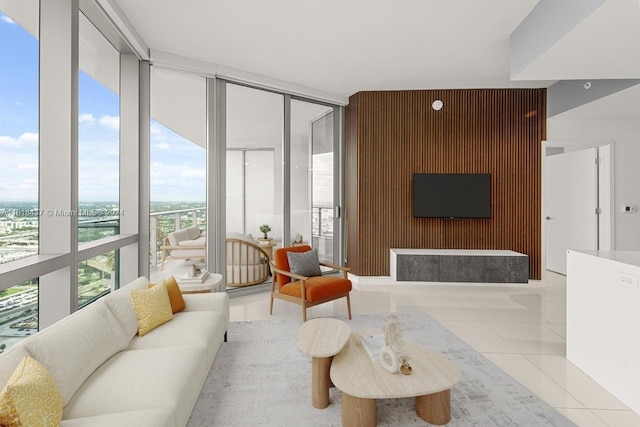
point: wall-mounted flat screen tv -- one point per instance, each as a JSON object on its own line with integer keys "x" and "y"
{"x": 451, "y": 195}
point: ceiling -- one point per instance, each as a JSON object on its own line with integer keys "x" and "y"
{"x": 343, "y": 47}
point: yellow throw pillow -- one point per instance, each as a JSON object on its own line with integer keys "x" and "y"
{"x": 152, "y": 307}
{"x": 31, "y": 397}
{"x": 175, "y": 294}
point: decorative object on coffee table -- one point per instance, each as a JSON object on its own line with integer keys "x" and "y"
{"x": 389, "y": 358}
{"x": 405, "y": 368}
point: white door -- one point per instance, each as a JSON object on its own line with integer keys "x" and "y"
{"x": 571, "y": 199}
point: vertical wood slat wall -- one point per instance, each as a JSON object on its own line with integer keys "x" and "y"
{"x": 393, "y": 134}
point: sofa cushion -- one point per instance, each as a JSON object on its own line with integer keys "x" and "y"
{"x": 31, "y": 397}
{"x": 175, "y": 295}
{"x": 215, "y": 301}
{"x": 9, "y": 362}
{"x": 74, "y": 347}
{"x": 194, "y": 232}
{"x": 120, "y": 304}
{"x": 282, "y": 261}
{"x": 142, "y": 418}
{"x": 204, "y": 329}
{"x": 187, "y": 253}
{"x": 200, "y": 241}
{"x": 163, "y": 377}
{"x": 152, "y": 307}
{"x": 318, "y": 288}
{"x": 178, "y": 236}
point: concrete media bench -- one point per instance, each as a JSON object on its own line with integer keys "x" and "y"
{"x": 459, "y": 265}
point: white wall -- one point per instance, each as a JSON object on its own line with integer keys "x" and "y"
{"x": 626, "y": 136}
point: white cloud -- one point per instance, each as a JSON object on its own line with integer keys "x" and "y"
{"x": 8, "y": 20}
{"x": 28, "y": 166}
{"x": 29, "y": 137}
{"x": 25, "y": 138}
{"x": 112, "y": 122}
{"x": 194, "y": 173}
{"x": 162, "y": 146}
{"x": 86, "y": 118}
{"x": 7, "y": 141}
{"x": 156, "y": 130}
{"x": 28, "y": 184}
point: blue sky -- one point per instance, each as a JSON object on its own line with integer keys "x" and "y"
{"x": 177, "y": 165}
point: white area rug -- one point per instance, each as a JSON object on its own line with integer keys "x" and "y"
{"x": 261, "y": 378}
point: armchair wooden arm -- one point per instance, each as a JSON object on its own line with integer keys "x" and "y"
{"x": 344, "y": 270}
{"x": 287, "y": 273}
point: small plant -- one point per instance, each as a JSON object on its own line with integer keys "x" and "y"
{"x": 264, "y": 228}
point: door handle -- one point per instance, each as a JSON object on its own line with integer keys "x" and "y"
{"x": 548, "y": 218}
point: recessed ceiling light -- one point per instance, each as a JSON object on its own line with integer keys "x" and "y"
{"x": 437, "y": 105}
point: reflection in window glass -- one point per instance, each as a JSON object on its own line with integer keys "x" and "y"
{"x": 97, "y": 277}
{"x": 18, "y": 131}
{"x": 98, "y": 135}
{"x": 18, "y": 313}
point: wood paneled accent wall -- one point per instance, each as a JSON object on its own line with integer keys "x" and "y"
{"x": 393, "y": 134}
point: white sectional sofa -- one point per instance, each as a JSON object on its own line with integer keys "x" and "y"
{"x": 109, "y": 376}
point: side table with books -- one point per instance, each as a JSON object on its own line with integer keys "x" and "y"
{"x": 203, "y": 282}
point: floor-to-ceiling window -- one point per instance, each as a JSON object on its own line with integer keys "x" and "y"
{"x": 61, "y": 136}
{"x": 280, "y": 168}
{"x": 19, "y": 131}
{"x": 98, "y": 135}
{"x": 312, "y": 170}
{"x": 254, "y": 161}
{"x": 98, "y": 157}
{"x": 178, "y": 160}
{"x": 19, "y": 211}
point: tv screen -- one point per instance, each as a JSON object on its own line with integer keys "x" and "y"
{"x": 447, "y": 195}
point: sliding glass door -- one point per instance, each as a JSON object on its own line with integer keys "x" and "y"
{"x": 281, "y": 168}
{"x": 312, "y": 176}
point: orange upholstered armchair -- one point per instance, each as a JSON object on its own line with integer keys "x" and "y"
{"x": 304, "y": 290}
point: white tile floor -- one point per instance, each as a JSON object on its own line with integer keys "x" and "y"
{"x": 519, "y": 328}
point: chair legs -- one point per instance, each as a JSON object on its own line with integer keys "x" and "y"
{"x": 349, "y": 306}
{"x": 273, "y": 288}
{"x": 304, "y": 313}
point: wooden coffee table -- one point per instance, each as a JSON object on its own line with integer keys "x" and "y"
{"x": 321, "y": 339}
{"x": 362, "y": 381}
